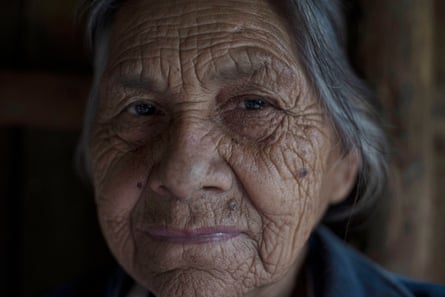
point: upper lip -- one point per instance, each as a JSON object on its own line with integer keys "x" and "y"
{"x": 193, "y": 235}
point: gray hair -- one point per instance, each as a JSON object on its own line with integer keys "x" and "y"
{"x": 320, "y": 36}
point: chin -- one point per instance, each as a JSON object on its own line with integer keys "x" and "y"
{"x": 194, "y": 282}
{"x": 222, "y": 268}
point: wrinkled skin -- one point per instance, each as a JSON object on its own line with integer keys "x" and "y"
{"x": 206, "y": 120}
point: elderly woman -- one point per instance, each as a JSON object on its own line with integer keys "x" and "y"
{"x": 219, "y": 134}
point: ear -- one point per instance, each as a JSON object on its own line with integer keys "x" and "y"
{"x": 341, "y": 176}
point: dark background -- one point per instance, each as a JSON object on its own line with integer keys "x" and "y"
{"x": 48, "y": 229}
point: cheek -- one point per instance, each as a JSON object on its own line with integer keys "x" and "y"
{"x": 118, "y": 190}
{"x": 283, "y": 182}
{"x": 283, "y": 178}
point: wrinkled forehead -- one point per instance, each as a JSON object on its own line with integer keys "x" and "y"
{"x": 195, "y": 27}
{"x": 187, "y": 17}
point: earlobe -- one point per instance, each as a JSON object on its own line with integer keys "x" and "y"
{"x": 342, "y": 176}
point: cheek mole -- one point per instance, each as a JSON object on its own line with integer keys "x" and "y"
{"x": 302, "y": 172}
{"x": 139, "y": 185}
{"x": 232, "y": 205}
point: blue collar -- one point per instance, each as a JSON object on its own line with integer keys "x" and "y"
{"x": 339, "y": 271}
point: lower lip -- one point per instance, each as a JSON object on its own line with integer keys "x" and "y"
{"x": 191, "y": 237}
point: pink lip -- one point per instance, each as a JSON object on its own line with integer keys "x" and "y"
{"x": 200, "y": 235}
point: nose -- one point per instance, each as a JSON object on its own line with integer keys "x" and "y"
{"x": 189, "y": 165}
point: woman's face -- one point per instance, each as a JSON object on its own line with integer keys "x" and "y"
{"x": 212, "y": 159}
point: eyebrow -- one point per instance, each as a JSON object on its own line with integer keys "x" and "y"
{"x": 248, "y": 71}
{"x": 143, "y": 83}
{"x": 229, "y": 73}
{"x": 237, "y": 71}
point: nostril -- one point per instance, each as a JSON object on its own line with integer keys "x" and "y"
{"x": 212, "y": 189}
{"x": 162, "y": 190}
{"x": 156, "y": 184}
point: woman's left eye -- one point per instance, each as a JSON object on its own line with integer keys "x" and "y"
{"x": 251, "y": 116}
{"x": 253, "y": 104}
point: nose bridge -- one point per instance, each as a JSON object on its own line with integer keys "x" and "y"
{"x": 189, "y": 140}
{"x": 189, "y": 163}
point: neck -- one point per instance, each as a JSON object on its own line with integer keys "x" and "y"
{"x": 294, "y": 283}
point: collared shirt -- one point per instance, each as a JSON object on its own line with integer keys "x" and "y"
{"x": 333, "y": 268}
{"x": 339, "y": 271}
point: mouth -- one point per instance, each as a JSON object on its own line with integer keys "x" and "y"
{"x": 192, "y": 236}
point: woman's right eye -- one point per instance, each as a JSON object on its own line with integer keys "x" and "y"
{"x": 142, "y": 109}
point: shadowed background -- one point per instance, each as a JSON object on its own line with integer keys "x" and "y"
{"x": 48, "y": 229}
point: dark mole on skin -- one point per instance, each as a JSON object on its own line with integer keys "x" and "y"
{"x": 302, "y": 172}
{"x": 139, "y": 185}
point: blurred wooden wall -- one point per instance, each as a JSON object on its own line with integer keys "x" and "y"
{"x": 47, "y": 226}
{"x": 399, "y": 50}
